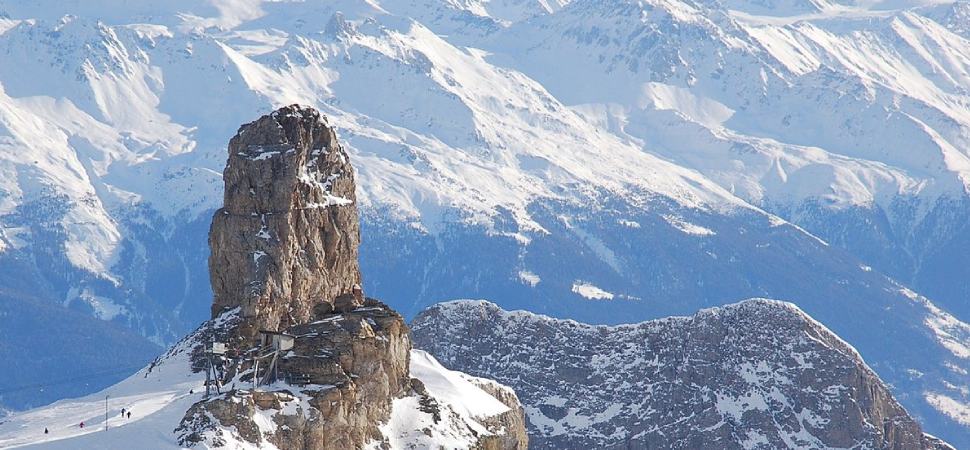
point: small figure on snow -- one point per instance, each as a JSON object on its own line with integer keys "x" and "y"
{"x": 129, "y": 413}
{"x": 82, "y": 424}
{"x": 122, "y": 413}
{"x": 45, "y": 430}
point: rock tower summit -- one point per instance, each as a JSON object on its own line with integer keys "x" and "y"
{"x": 286, "y": 239}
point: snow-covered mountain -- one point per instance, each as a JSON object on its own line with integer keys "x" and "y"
{"x": 756, "y": 374}
{"x": 604, "y": 160}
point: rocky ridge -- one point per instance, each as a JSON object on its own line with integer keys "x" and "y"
{"x": 284, "y": 269}
{"x": 757, "y": 374}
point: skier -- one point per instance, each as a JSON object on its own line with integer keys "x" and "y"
{"x": 129, "y": 413}
{"x": 122, "y": 413}
{"x": 45, "y": 430}
{"x": 82, "y": 424}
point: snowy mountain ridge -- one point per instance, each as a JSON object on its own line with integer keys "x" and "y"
{"x": 756, "y": 374}
{"x": 130, "y": 78}
{"x": 125, "y": 84}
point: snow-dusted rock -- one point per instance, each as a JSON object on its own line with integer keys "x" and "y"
{"x": 159, "y": 396}
{"x": 757, "y": 374}
{"x": 341, "y": 381}
{"x": 351, "y": 381}
{"x": 285, "y": 241}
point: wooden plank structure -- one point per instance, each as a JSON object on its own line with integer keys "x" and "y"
{"x": 273, "y": 343}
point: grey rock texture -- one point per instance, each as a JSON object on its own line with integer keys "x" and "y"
{"x": 509, "y": 428}
{"x": 287, "y": 236}
{"x": 284, "y": 260}
{"x": 758, "y": 374}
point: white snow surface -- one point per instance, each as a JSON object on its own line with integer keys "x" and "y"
{"x": 462, "y": 403}
{"x": 158, "y": 398}
{"x": 956, "y": 409}
{"x": 453, "y": 387}
{"x": 529, "y": 278}
{"x": 687, "y": 227}
{"x": 591, "y": 291}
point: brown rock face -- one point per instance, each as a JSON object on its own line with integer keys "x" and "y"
{"x": 364, "y": 367}
{"x": 334, "y": 387}
{"x": 286, "y": 238}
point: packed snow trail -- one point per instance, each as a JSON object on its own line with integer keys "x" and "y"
{"x": 156, "y": 396}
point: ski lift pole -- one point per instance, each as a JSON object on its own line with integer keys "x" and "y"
{"x": 105, "y": 413}
{"x": 208, "y": 368}
{"x": 208, "y": 360}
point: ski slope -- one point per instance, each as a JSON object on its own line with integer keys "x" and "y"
{"x": 158, "y": 397}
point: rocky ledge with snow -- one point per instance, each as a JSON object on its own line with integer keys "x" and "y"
{"x": 350, "y": 381}
{"x": 442, "y": 408}
{"x": 757, "y": 374}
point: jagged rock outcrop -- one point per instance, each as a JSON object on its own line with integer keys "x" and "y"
{"x": 286, "y": 238}
{"x": 508, "y": 428}
{"x": 312, "y": 364}
{"x": 332, "y": 390}
{"x": 758, "y": 374}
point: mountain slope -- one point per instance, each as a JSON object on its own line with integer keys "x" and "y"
{"x": 53, "y": 352}
{"x": 159, "y": 396}
{"x": 741, "y": 98}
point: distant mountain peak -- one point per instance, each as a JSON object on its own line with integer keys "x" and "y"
{"x": 756, "y": 374}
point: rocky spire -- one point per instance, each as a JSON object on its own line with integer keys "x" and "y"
{"x": 284, "y": 251}
{"x": 285, "y": 241}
